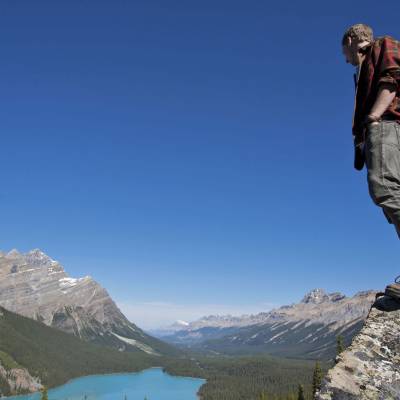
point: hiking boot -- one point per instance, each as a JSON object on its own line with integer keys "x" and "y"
{"x": 386, "y": 303}
{"x": 393, "y": 291}
{"x": 390, "y": 299}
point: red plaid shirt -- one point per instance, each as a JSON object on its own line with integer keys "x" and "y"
{"x": 381, "y": 65}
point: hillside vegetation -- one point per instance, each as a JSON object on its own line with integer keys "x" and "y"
{"x": 55, "y": 356}
{"x": 246, "y": 378}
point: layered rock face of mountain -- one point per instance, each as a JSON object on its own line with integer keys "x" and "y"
{"x": 309, "y": 328}
{"x": 370, "y": 368}
{"x": 19, "y": 380}
{"x": 36, "y": 286}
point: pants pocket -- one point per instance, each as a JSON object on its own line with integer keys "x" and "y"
{"x": 383, "y": 163}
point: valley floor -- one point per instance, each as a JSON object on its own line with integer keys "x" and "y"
{"x": 245, "y": 378}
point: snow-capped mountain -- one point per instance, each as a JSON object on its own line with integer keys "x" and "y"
{"x": 308, "y": 328}
{"x": 36, "y": 286}
{"x": 170, "y": 329}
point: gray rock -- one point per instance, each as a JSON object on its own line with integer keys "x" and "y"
{"x": 370, "y": 368}
{"x": 19, "y": 380}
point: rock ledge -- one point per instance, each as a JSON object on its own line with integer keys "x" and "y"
{"x": 370, "y": 367}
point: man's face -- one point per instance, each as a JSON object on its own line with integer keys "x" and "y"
{"x": 351, "y": 53}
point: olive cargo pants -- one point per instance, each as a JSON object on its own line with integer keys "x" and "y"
{"x": 382, "y": 153}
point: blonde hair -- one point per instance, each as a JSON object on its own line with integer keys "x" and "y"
{"x": 360, "y": 32}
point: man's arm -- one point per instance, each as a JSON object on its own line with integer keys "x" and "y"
{"x": 386, "y": 94}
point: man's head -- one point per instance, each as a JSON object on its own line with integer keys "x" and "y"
{"x": 355, "y": 39}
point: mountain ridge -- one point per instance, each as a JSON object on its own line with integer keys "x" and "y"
{"x": 315, "y": 296}
{"x": 305, "y": 329}
{"x": 37, "y": 286}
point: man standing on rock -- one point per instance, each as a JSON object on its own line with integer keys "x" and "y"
{"x": 376, "y": 121}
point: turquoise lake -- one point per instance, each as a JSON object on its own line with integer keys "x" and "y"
{"x": 152, "y": 383}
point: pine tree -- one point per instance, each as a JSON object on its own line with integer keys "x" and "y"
{"x": 300, "y": 395}
{"x": 317, "y": 378}
{"x": 339, "y": 345}
{"x": 45, "y": 395}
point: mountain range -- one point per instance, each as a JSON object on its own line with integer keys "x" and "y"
{"x": 42, "y": 308}
{"x": 308, "y": 329}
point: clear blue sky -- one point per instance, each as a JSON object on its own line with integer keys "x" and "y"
{"x": 188, "y": 155}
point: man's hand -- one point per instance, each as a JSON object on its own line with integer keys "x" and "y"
{"x": 386, "y": 94}
{"x": 372, "y": 119}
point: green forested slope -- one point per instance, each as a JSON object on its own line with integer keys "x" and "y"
{"x": 245, "y": 378}
{"x": 56, "y": 356}
{"x": 294, "y": 340}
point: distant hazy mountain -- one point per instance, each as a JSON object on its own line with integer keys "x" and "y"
{"x": 306, "y": 329}
{"x": 169, "y": 330}
{"x": 36, "y": 286}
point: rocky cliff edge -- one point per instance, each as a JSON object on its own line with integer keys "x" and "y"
{"x": 370, "y": 367}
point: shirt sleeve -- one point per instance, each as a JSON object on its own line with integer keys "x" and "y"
{"x": 388, "y": 57}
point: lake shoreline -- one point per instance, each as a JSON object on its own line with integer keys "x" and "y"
{"x": 73, "y": 383}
